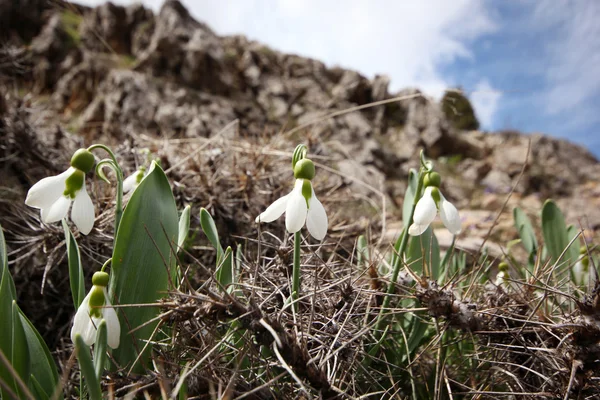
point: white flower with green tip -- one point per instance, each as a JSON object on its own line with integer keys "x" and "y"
{"x": 53, "y": 195}
{"x": 428, "y": 206}
{"x": 94, "y": 308}
{"x": 133, "y": 180}
{"x": 300, "y": 205}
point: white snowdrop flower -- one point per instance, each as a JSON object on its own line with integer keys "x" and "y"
{"x": 53, "y": 195}
{"x": 300, "y": 205}
{"x": 133, "y": 180}
{"x": 428, "y": 205}
{"x": 94, "y": 308}
{"x": 582, "y": 273}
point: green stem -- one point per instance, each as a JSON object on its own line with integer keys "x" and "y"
{"x": 296, "y": 270}
{"x": 399, "y": 249}
{"x": 119, "y": 172}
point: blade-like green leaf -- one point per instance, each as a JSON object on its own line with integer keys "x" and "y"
{"x": 225, "y": 274}
{"x": 9, "y": 292}
{"x": 184, "y": 226}
{"x": 210, "y": 230}
{"x": 424, "y": 249}
{"x": 87, "y": 368}
{"x": 409, "y": 195}
{"x": 100, "y": 349}
{"x": 142, "y": 263}
{"x": 42, "y": 365}
{"x": 525, "y": 229}
{"x": 19, "y": 352}
{"x": 554, "y": 231}
{"x": 76, "y": 277}
{"x": 573, "y": 252}
{"x": 362, "y": 252}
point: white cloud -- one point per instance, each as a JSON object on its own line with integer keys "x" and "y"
{"x": 485, "y": 101}
{"x": 571, "y": 68}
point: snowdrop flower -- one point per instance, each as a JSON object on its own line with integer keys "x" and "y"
{"x": 428, "y": 205}
{"x": 582, "y": 273}
{"x": 133, "y": 180}
{"x": 503, "y": 277}
{"x": 93, "y": 309}
{"x": 300, "y": 205}
{"x": 53, "y": 195}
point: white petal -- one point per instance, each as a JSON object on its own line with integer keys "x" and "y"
{"x": 130, "y": 182}
{"x": 45, "y": 193}
{"x": 113, "y": 327}
{"x": 82, "y": 213}
{"x": 57, "y": 211}
{"x": 449, "y": 215}
{"x": 83, "y": 324}
{"x": 296, "y": 210}
{"x": 424, "y": 213}
{"x": 316, "y": 220}
{"x": 275, "y": 210}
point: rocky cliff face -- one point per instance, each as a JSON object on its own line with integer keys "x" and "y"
{"x": 116, "y": 73}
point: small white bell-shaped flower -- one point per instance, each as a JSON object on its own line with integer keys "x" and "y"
{"x": 94, "y": 308}
{"x": 503, "y": 277}
{"x": 582, "y": 273}
{"x": 133, "y": 180}
{"x": 53, "y": 195}
{"x": 428, "y": 205}
{"x": 300, "y": 205}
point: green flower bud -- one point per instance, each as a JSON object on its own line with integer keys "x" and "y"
{"x": 583, "y": 250}
{"x": 96, "y": 300}
{"x": 100, "y": 279}
{"x": 306, "y": 190}
{"x": 503, "y": 267}
{"x": 432, "y": 179}
{"x": 304, "y": 169}
{"x": 83, "y": 160}
{"x": 74, "y": 183}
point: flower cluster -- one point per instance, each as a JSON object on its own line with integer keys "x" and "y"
{"x": 300, "y": 205}
{"x": 428, "y": 205}
{"x": 94, "y": 308}
{"x": 53, "y": 195}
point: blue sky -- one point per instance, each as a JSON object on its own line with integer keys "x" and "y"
{"x": 528, "y": 65}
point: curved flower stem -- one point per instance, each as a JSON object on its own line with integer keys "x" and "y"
{"x": 119, "y": 172}
{"x": 399, "y": 249}
{"x": 106, "y": 264}
{"x": 296, "y": 271}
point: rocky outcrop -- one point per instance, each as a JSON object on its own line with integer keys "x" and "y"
{"x": 123, "y": 71}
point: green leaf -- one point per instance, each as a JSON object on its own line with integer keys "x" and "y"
{"x": 409, "y": 195}
{"x": 554, "y": 231}
{"x": 362, "y": 252}
{"x": 225, "y": 274}
{"x": 142, "y": 262}
{"x": 42, "y": 365}
{"x": 525, "y": 229}
{"x": 424, "y": 249}
{"x": 184, "y": 226}
{"x": 573, "y": 252}
{"x": 87, "y": 368}
{"x": 76, "y": 276}
{"x": 100, "y": 349}
{"x": 210, "y": 230}
{"x": 12, "y": 338}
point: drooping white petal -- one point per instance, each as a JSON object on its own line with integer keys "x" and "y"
{"x": 296, "y": 209}
{"x": 82, "y": 213}
{"x": 130, "y": 182}
{"x": 113, "y": 327}
{"x": 316, "y": 220}
{"x": 45, "y": 192}
{"x": 57, "y": 211}
{"x": 82, "y": 323}
{"x": 424, "y": 214}
{"x": 449, "y": 215}
{"x": 275, "y": 210}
